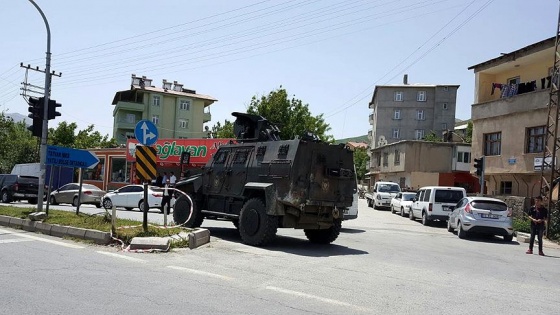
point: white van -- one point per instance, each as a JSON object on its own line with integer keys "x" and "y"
{"x": 382, "y": 194}
{"x": 352, "y": 212}
{"x": 435, "y": 203}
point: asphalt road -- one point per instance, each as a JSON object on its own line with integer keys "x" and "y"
{"x": 380, "y": 264}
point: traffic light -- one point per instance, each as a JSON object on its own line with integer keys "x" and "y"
{"x": 52, "y": 109}
{"x": 36, "y": 110}
{"x": 479, "y": 165}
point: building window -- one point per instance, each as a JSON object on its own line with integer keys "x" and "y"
{"x": 396, "y": 133}
{"x": 118, "y": 170}
{"x": 96, "y": 173}
{"x": 130, "y": 118}
{"x": 397, "y": 114}
{"x": 421, "y": 96}
{"x": 397, "y": 157}
{"x": 378, "y": 159}
{"x": 493, "y": 143}
{"x": 443, "y": 126}
{"x": 155, "y": 119}
{"x": 505, "y": 188}
{"x": 535, "y": 139}
{"x": 420, "y": 114}
{"x": 185, "y": 105}
{"x": 514, "y": 80}
{"x": 398, "y": 96}
{"x": 445, "y": 88}
{"x": 463, "y": 157}
{"x": 445, "y": 106}
{"x": 183, "y": 123}
{"x": 419, "y": 134}
{"x": 385, "y": 159}
{"x": 155, "y": 100}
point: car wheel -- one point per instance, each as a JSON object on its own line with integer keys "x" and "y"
{"x": 460, "y": 232}
{"x": 32, "y": 201}
{"x": 53, "y": 200}
{"x": 98, "y": 205}
{"x": 107, "y": 203}
{"x": 402, "y": 211}
{"x": 392, "y": 209}
{"x": 256, "y": 227}
{"x": 5, "y": 197}
{"x": 425, "y": 220}
{"x": 508, "y": 238}
{"x": 324, "y": 236}
{"x": 449, "y": 228}
{"x": 75, "y": 202}
{"x": 128, "y": 208}
{"x": 142, "y": 204}
{"x": 411, "y": 214}
{"x": 370, "y": 203}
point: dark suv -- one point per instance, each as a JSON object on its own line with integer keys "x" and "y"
{"x": 16, "y": 187}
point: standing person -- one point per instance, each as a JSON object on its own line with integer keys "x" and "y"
{"x": 172, "y": 179}
{"x": 538, "y": 215}
{"x": 159, "y": 180}
{"x": 166, "y": 199}
{"x": 165, "y": 178}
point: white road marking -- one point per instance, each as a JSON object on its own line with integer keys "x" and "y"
{"x": 315, "y": 297}
{"x": 14, "y": 240}
{"x": 121, "y": 256}
{"x": 202, "y": 273}
{"x": 37, "y": 238}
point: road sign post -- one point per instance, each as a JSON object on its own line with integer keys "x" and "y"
{"x": 146, "y": 132}
{"x": 146, "y": 171}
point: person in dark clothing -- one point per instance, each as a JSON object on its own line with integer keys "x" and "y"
{"x": 159, "y": 180}
{"x": 538, "y": 215}
{"x": 166, "y": 199}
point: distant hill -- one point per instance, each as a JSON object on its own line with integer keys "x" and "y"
{"x": 19, "y": 117}
{"x": 363, "y": 138}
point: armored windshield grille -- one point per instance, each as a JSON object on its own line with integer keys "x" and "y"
{"x": 340, "y": 172}
{"x": 240, "y": 156}
{"x": 283, "y": 149}
{"x": 261, "y": 150}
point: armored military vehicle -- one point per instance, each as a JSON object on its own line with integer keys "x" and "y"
{"x": 262, "y": 183}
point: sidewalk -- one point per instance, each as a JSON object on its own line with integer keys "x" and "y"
{"x": 524, "y": 238}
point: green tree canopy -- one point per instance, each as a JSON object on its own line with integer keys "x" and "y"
{"x": 18, "y": 145}
{"x": 292, "y": 116}
{"x": 432, "y": 137}
{"x": 361, "y": 161}
{"x": 65, "y": 135}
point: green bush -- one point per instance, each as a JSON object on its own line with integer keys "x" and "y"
{"x": 522, "y": 225}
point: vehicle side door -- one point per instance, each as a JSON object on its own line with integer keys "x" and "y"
{"x": 67, "y": 194}
{"x": 396, "y": 201}
{"x": 456, "y": 211}
{"x": 236, "y": 171}
{"x": 119, "y": 196}
{"x": 416, "y": 205}
{"x": 134, "y": 196}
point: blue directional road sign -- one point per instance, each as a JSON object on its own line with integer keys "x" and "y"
{"x": 69, "y": 157}
{"x": 146, "y": 132}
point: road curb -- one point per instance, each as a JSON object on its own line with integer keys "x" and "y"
{"x": 99, "y": 237}
{"x": 198, "y": 238}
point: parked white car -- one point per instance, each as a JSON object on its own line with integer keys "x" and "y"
{"x": 481, "y": 215}
{"x": 402, "y": 202}
{"x": 132, "y": 196}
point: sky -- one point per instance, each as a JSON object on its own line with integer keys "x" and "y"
{"x": 328, "y": 53}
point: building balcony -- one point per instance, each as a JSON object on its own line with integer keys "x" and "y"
{"x": 124, "y": 124}
{"x": 129, "y": 106}
{"x": 371, "y": 116}
{"x": 370, "y": 134}
{"x": 206, "y": 117}
{"x": 511, "y": 105}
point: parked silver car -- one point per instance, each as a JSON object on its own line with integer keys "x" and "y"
{"x": 481, "y": 215}
{"x": 68, "y": 193}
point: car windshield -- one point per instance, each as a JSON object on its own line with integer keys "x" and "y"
{"x": 408, "y": 197}
{"x": 389, "y": 188}
{"x": 448, "y": 196}
{"x": 489, "y": 205}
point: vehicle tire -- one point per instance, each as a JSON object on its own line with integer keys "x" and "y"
{"x": 425, "y": 220}
{"x": 392, "y": 209}
{"x": 53, "y": 201}
{"x": 460, "y": 232}
{"x": 141, "y": 205}
{"x": 182, "y": 210}
{"x": 411, "y": 214}
{"x": 98, "y": 205}
{"x": 107, "y": 203}
{"x": 402, "y": 211}
{"x": 325, "y": 236}
{"x": 508, "y": 238}
{"x": 256, "y": 227}
{"x": 5, "y": 197}
{"x": 32, "y": 201}
{"x": 449, "y": 228}
{"x": 128, "y": 208}
{"x": 75, "y": 202}
{"x": 369, "y": 203}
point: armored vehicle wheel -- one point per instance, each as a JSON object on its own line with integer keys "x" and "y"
{"x": 255, "y": 226}
{"x": 325, "y": 236}
{"x": 182, "y": 209}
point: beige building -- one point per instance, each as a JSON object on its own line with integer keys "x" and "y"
{"x": 177, "y": 112}
{"x": 509, "y": 117}
{"x": 415, "y": 163}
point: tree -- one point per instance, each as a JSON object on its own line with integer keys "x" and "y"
{"x": 18, "y": 145}
{"x": 225, "y": 131}
{"x": 292, "y": 116}
{"x": 432, "y": 137}
{"x": 468, "y": 133}
{"x": 65, "y": 135}
{"x": 361, "y": 162}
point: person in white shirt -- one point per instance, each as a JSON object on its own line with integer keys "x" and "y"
{"x": 172, "y": 179}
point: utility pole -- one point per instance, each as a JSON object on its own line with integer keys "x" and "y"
{"x": 47, "y": 92}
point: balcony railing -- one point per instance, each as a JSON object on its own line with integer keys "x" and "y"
{"x": 515, "y": 104}
{"x": 131, "y": 106}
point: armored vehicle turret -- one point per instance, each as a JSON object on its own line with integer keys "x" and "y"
{"x": 262, "y": 183}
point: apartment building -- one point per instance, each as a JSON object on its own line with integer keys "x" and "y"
{"x": 509, "y": 117}
{"x": 415, "y": 163}
{"x": 177, "y": 112}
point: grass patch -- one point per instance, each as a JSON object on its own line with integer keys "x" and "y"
{"x": 522, "y": 225}
{"x": 100, "y": 222}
